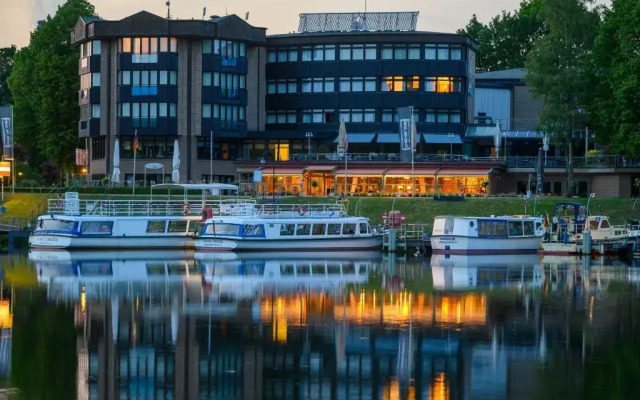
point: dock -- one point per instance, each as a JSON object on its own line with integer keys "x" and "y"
{"x": 15, "y": 227}
{"x": 406, "y": 236}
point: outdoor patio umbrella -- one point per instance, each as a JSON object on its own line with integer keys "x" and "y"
{"x": 343, "y": 145}
{"x": 115, "y": 177}
{"x": 497, "y": 139}
{"x": 175, "y": 174}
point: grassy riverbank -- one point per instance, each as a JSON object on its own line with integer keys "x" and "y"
{"x": 417, "y": 210}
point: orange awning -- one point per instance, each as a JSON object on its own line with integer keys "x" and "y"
{"x": 320, "y": 168}
{"x": 463, "y": 172}
{"x": 282, "y": 171}
{"x": 407, "y": 171}
{"x": 361, "y": 172}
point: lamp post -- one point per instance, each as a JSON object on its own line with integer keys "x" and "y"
{"x": 451, "y": 136}
{"x": 591, "y": 196}
{"x": 309, "y": 135}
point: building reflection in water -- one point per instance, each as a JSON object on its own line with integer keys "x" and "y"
{"x": 175, "y": 326}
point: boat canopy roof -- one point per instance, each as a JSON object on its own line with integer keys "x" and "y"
{"x": 579, "y": 211}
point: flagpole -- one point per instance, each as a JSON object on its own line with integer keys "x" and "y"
{"x": 135, "y": 152}
{"x": 413, "y": 150}
{"x": 211, "y": 158}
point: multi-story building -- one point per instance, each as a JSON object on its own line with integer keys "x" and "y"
{"x": 164, "y": 80}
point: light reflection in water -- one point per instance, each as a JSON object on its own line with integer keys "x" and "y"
{"x": 176, "y": 326}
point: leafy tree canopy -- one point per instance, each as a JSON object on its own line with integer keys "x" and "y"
{"x": 506, "y": 41}
{"x": 6, "y": 65}
{"x": 44, "y": 84}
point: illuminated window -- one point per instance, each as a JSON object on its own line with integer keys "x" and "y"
{"x": 413, "y": 84}
{"x": 393, "y": 84}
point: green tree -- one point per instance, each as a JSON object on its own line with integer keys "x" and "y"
{"x": 508, "y": 38}
{"x": 614, "y": 107}
{"x": 6, "y": 65}
{"x": 44, "y": 84}
{"x": 556, "y": 70}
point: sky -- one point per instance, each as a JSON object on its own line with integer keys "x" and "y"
{"x": 19, "y": 17}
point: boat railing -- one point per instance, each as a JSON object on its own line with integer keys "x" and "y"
{"x": 136, "y": 208}
{"x": 300, "y": 211}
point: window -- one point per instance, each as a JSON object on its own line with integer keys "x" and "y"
{"x": 455, "y": 117}
{"x": 413, "y": 84}
{"x": 55, "y": 225}
{"x": 206, "y": 79}
{"x": 125, "y": 45}
{"x": 206, "y": 111}
{"x": 307, "y": 54}
{"x": 364, "y": 228}
{"x": 448, "y": 226}
{"x": 333, "y": 229}
{"x": 281, "y": 86}
{"x": 389, "y": 115}
{"x": 348, "y": 229}
{"x": 443, "y": 117}
{"x": 393, "y": 84}
{"x": 287, "y": 229}
{"x": 515, "y": 228}
{"x": 253, "y": 230}
{"x": 500, "y": 229}
{"x": 96, "y": 227}
{"x": 443, "y": 52}
{"x": 414, "y": 52}
{"x": 528, "y": 228}
{"x": 400, "y": 52}
{"x": 456, "y": 53}
{"x": 96, "y": 47}
{"x": 387, "y": 52}
{"x": 318, "y": 229}
{"x": 443, "y": 84}
{"x": 604, "y": 224}
{"x": 95, "y": 111}
{"x": 367, "y": 115}
{"x": 156, "y": 226}
{"x": 370, "y": 52}
{"x": 223, "y": 229}
{"x": 207, "y": 46}
{"x": 281, "y": 117}
{"x": 177, "y": 226}
{"x": 303, "y": 229}
{"x": 484, "y": 228}
{"x": 317, "y": 116}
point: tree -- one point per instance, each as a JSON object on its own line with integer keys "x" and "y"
{"x": 6, "y": 65}
{"x": 556, "y": 70}
{"x": 45, "y": 84}
{"x": 508, "y": 38}
{"x": 614, "y": 107}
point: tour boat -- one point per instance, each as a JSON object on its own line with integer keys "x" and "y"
{"x": 269, "y": 227}
{"x": 570, "y": 223}
{"x": 486, "y": 235}
{"x": 71, "y": 223}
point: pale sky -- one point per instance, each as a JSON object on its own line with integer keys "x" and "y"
{"x": 19, "y": 17}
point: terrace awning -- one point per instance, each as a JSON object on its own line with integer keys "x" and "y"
{"x": 407, "y": 172}
{"x": 327, "y": 168}
{"x": 388, "y": 138}
{"x": 464, "y": 172}
{"x": 441, "y": 138}
{"x": 361, "y": 171}
{"x": 359, "y": 137}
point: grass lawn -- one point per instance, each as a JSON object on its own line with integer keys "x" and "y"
{"x": 417, "y": 210}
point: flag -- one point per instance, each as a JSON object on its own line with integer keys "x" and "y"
{"x": 405, "y": 119}
{"x": 81, "y": 157}
{"x": 211, "y": 146}
{"x": 135, "y": 144}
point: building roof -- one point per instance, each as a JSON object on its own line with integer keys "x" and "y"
{"x": 515, "y": 73}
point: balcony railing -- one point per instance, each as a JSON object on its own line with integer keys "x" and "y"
{"x": 590, "y": 162}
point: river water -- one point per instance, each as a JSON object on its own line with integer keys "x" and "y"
{"x": 179, "y": 325}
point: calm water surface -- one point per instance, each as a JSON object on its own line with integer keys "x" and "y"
{"x": 177, "y": 325}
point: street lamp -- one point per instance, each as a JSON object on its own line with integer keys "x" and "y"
{"x": 309, "y": 135}
{"x": 451, "y": 136}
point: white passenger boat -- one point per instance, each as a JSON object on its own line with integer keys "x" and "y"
{"x": 72, "y": 223}
{"x": 269, "y": 227}
{"x": 486, "y": 235}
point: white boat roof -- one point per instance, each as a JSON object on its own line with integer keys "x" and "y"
{"x": 197, "y": 186}
{"x": 490, "y": 217}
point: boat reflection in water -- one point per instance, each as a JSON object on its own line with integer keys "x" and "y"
{"x": 346, "y": 326}
{"x": 461, "y": 272}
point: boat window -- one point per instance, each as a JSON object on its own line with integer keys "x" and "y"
{"x": 333, "y": 269}
{"x": 484, "y": 228}
{"x": 538, "y": 225}
{"x": 318, "y": 229}
{"x": 364, "y": 228}
{"x": 177, "y": 226}
{"x": 349, "y": 269}
{"x": 348, "y": 229}
{"x": 193, "y": 226}
{"x": 254, "y": 230}
{"x": 318, "y": 269}
{"x": 528, "y": 228}
{"x": 55, "y": 225}
{"x": 593, "y": 224}
{"x": 222, "y": 229}
{"x": 515, "y": 228}
{"x": 500, "y": 228}
{"x": 333, "y": 229}
{"x": 471, "y": 224}
{"x": 96, "y": 227}
{"x": 287, "y": 229}
{"x": 156, "y": 226}
{"x": 604, "y": 224}
{"x": 448, "y": 226}
{"x": 303, "y": 229}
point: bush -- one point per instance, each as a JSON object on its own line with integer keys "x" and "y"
{"x": 50, "y": 173}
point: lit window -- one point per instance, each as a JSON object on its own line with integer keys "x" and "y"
{"x": 393, "y": 84}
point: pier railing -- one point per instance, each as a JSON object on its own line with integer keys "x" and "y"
{"x": 300, "y": 210}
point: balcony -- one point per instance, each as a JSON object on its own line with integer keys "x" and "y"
{"x": 89, "y": 127}
{"x": 591, "y": 162}
{"x": 87, "y": 96}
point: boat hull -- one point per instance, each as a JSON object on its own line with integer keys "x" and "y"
{"x": 337, "y": 244}
{"x": 474, "y": 245}
{"x": 605, "y": 247}
{"x": 52, "y": 241}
